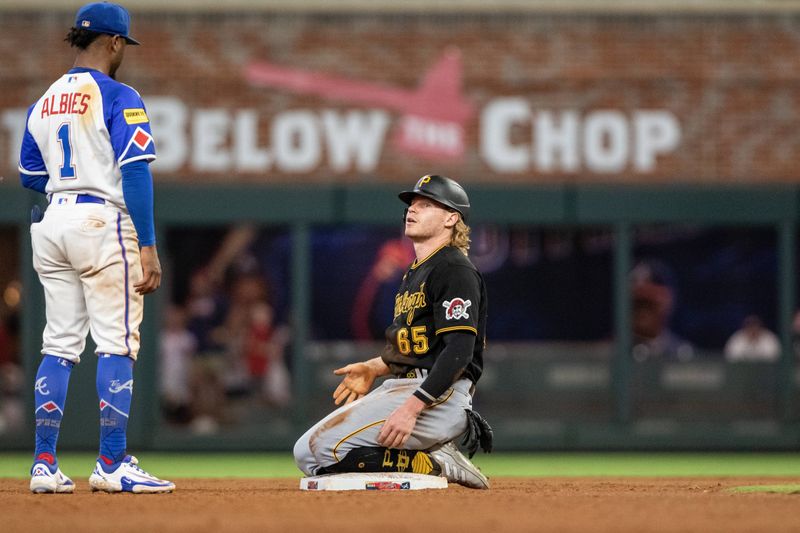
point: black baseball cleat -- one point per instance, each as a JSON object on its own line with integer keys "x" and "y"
{"x": 457, "y": 468}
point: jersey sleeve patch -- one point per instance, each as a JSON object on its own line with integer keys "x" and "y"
{"x": 128, "y": 124}
{"x": 456, "y": 308}
{"x": 456, "y": 294}
{"x": 140, "y": 146}
{"x": 141, "y": 139}
{"x": 135, "y": 116}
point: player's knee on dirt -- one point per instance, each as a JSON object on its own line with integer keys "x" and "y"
{"x": 314, "y": 450}
{"x": 303, "y": 457}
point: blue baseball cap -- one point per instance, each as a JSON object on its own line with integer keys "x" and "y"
{"x": 105, "y": 17}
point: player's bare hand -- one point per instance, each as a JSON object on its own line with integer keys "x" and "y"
{"x": 358, "y": 379}
{"x": 151, "y": 271}
{"x": 398, "y": 427}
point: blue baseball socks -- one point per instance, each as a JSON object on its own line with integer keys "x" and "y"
{"x": 50, "y": 395}
{"x": 115, "y": 391}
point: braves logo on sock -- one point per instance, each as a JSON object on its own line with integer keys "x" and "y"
{"x": 41, "y": 386}
{"x": 116, "y": 386}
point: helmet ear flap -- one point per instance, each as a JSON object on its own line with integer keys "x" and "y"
{"x": 405, "y": 214}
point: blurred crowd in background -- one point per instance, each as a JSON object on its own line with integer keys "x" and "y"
{"x": 11, "y": 373}
{"x": 225, "y": 343}
{"x": 220, "y": 345}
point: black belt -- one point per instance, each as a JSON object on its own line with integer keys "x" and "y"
{"x": 414, "y": 373}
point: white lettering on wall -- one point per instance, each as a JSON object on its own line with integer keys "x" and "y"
{"x": 556, "y": 135}
{"x": 601, "y": 141}
{"x": 514, "y": 137}
{"x": 354, "y": 139}
{"x": 606, "y": 141}
{"x": 656, "y": 132}
{"x": 296, "y": 140}
{"x": 497, "y": 120}
{"x": 210, "y": 129}
{"x": 248, "y": 156}
{"x": 218, "y": 140}
{"x": 168, "y": 117}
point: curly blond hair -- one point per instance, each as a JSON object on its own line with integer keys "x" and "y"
{"x": 460, "y": 238}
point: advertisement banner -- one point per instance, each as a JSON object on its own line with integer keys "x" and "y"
{"x": 291, "y": 98}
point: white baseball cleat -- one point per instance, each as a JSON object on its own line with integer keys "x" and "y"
{"x": 128, "y": 477}
{"x": 44, "y": 481}
{"x": 457, "y": 468}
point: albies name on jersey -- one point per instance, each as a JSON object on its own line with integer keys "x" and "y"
{"x": 68, "y": 104}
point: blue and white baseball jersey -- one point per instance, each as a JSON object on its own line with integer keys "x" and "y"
{"x": 82, "y": 130}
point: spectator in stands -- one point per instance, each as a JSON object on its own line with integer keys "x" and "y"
{"x": 177, "y": 351}
{"x": 253, "y": 344}
{"x": 247, "y": 290}
{"x": 796, "y": 334}
{"x": 205, "y": 312}
{"x": 753, "y": 342}
{"x": 389, "y": 265}
{"x": 205, "y": 309}
{"x": 653, "y": 299}
{"x": 264, "y": 350}
{"x": 12, "y": 409}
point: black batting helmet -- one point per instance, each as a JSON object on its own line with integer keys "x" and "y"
{"x": 441, "y": 189}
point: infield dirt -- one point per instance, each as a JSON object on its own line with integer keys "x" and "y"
{"x": 513, "y": 504}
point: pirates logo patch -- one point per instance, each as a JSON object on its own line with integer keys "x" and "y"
{"x": 456, "y": 308}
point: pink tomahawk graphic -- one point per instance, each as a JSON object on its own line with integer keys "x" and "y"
{"x": 434, "y": 115}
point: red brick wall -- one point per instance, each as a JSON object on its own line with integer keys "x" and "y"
{"x": 728, "y": 85}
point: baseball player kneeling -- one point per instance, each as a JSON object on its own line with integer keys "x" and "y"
{"x": 433, "y": 353}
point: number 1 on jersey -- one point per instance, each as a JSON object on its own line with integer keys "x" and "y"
{"x": 67, "y": 169}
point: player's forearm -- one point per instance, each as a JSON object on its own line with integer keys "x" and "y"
{"x": 137, "y": 189}
{"x": 448, "y": 366}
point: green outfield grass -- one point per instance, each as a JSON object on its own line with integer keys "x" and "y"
{"x": 272, "y": 465}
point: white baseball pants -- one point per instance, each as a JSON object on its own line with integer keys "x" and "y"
{"x": 87, "y": 258}
{"x": 357, "y": 424}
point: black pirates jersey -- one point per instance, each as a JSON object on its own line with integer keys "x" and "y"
{"x": 439, "y": 294}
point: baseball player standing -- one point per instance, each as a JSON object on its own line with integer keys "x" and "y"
{"x": 87, "y": 145}
{"x": 434, "y": 353}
